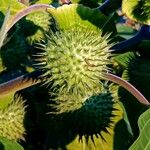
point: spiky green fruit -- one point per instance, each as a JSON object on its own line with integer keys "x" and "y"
{"x": 36, "y": 25}
{"x": 75, "y": 60}
{"x": 89, "y": 115}
{"x": 138, "y": 74}
{"x": 138, "y": 10}
{"x": 12, "y": 119}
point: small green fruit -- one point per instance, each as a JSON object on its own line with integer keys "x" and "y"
{"x": 87, "y": 116}
{"x": 11, "y": 120}
{"x": 75, "y": 60}
{"x": 138, "y": 10}
{"x": 36, "y": 25}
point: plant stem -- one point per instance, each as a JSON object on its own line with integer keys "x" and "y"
{"x": 129, "y": 87}
{"x": 26, "y": 11}
{"x": 3, "y": 31}
{"x": 28, "y": 80}
{"x": 19, "y": 83}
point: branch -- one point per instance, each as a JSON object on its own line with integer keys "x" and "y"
{"x": 19, "y": 83}
{"x": 129, "y": 87}
{"x": 31, "y": 79}
{"x": 26, "y": 11}
{"x": 3, "y": 32}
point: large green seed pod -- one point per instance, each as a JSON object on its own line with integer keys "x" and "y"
{"x": 36, "y": 25}
{"x": 11, "y": 120}
{"x": 89, "y": 115}
{"x": 75, "y": 60}
{"x": 138, "y": 10}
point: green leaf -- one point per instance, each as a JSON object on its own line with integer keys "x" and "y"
{"x": 123, "y": 59}
{"x": 6, "y": 144}
{"x": 143, "y": 141}
{"x": 14, "y": 5}
{"x": 138, "y": 10}
{"x": 125, "y": 31}
{"x": 114, "y": 5}
{"x": 77, "y": 15}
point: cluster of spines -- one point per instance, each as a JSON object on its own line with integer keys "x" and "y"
{"x": 75, "y": 60}
{"x": 89, "y": 115}
{"x": 12, "y": 120}
{"x": 39, "y": 24}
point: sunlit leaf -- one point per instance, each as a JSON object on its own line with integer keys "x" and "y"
{"x": 6, "y": 144}
{"x": 74, "y": 15}
{"x": 143, "y": 141}
{"x": 14, "y": 5}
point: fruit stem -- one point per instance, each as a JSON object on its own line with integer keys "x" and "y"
{"x": 24, "y": 12}
{"x": 3, "y": 31}
{"x": 129, "y": 87}
{"x": 19, "y": 83}
{"x": 31, "y": 79}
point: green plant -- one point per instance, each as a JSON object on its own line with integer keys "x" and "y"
{"x": 64, "y": 65}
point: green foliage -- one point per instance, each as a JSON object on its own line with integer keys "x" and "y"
{"x": 114, "y": 5}
{"x": 14, "y": 5}
{"x": 138, "y": 72}
{"x": 144, "y": 48}
{"x": 6, "y": 144}
{"x": 75, "y": 15}
{"x": 78, "y": 109}
{"x": 143, "y": 141}
{"x": 125, "y": 32}
{"x": 16, "y": 49}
